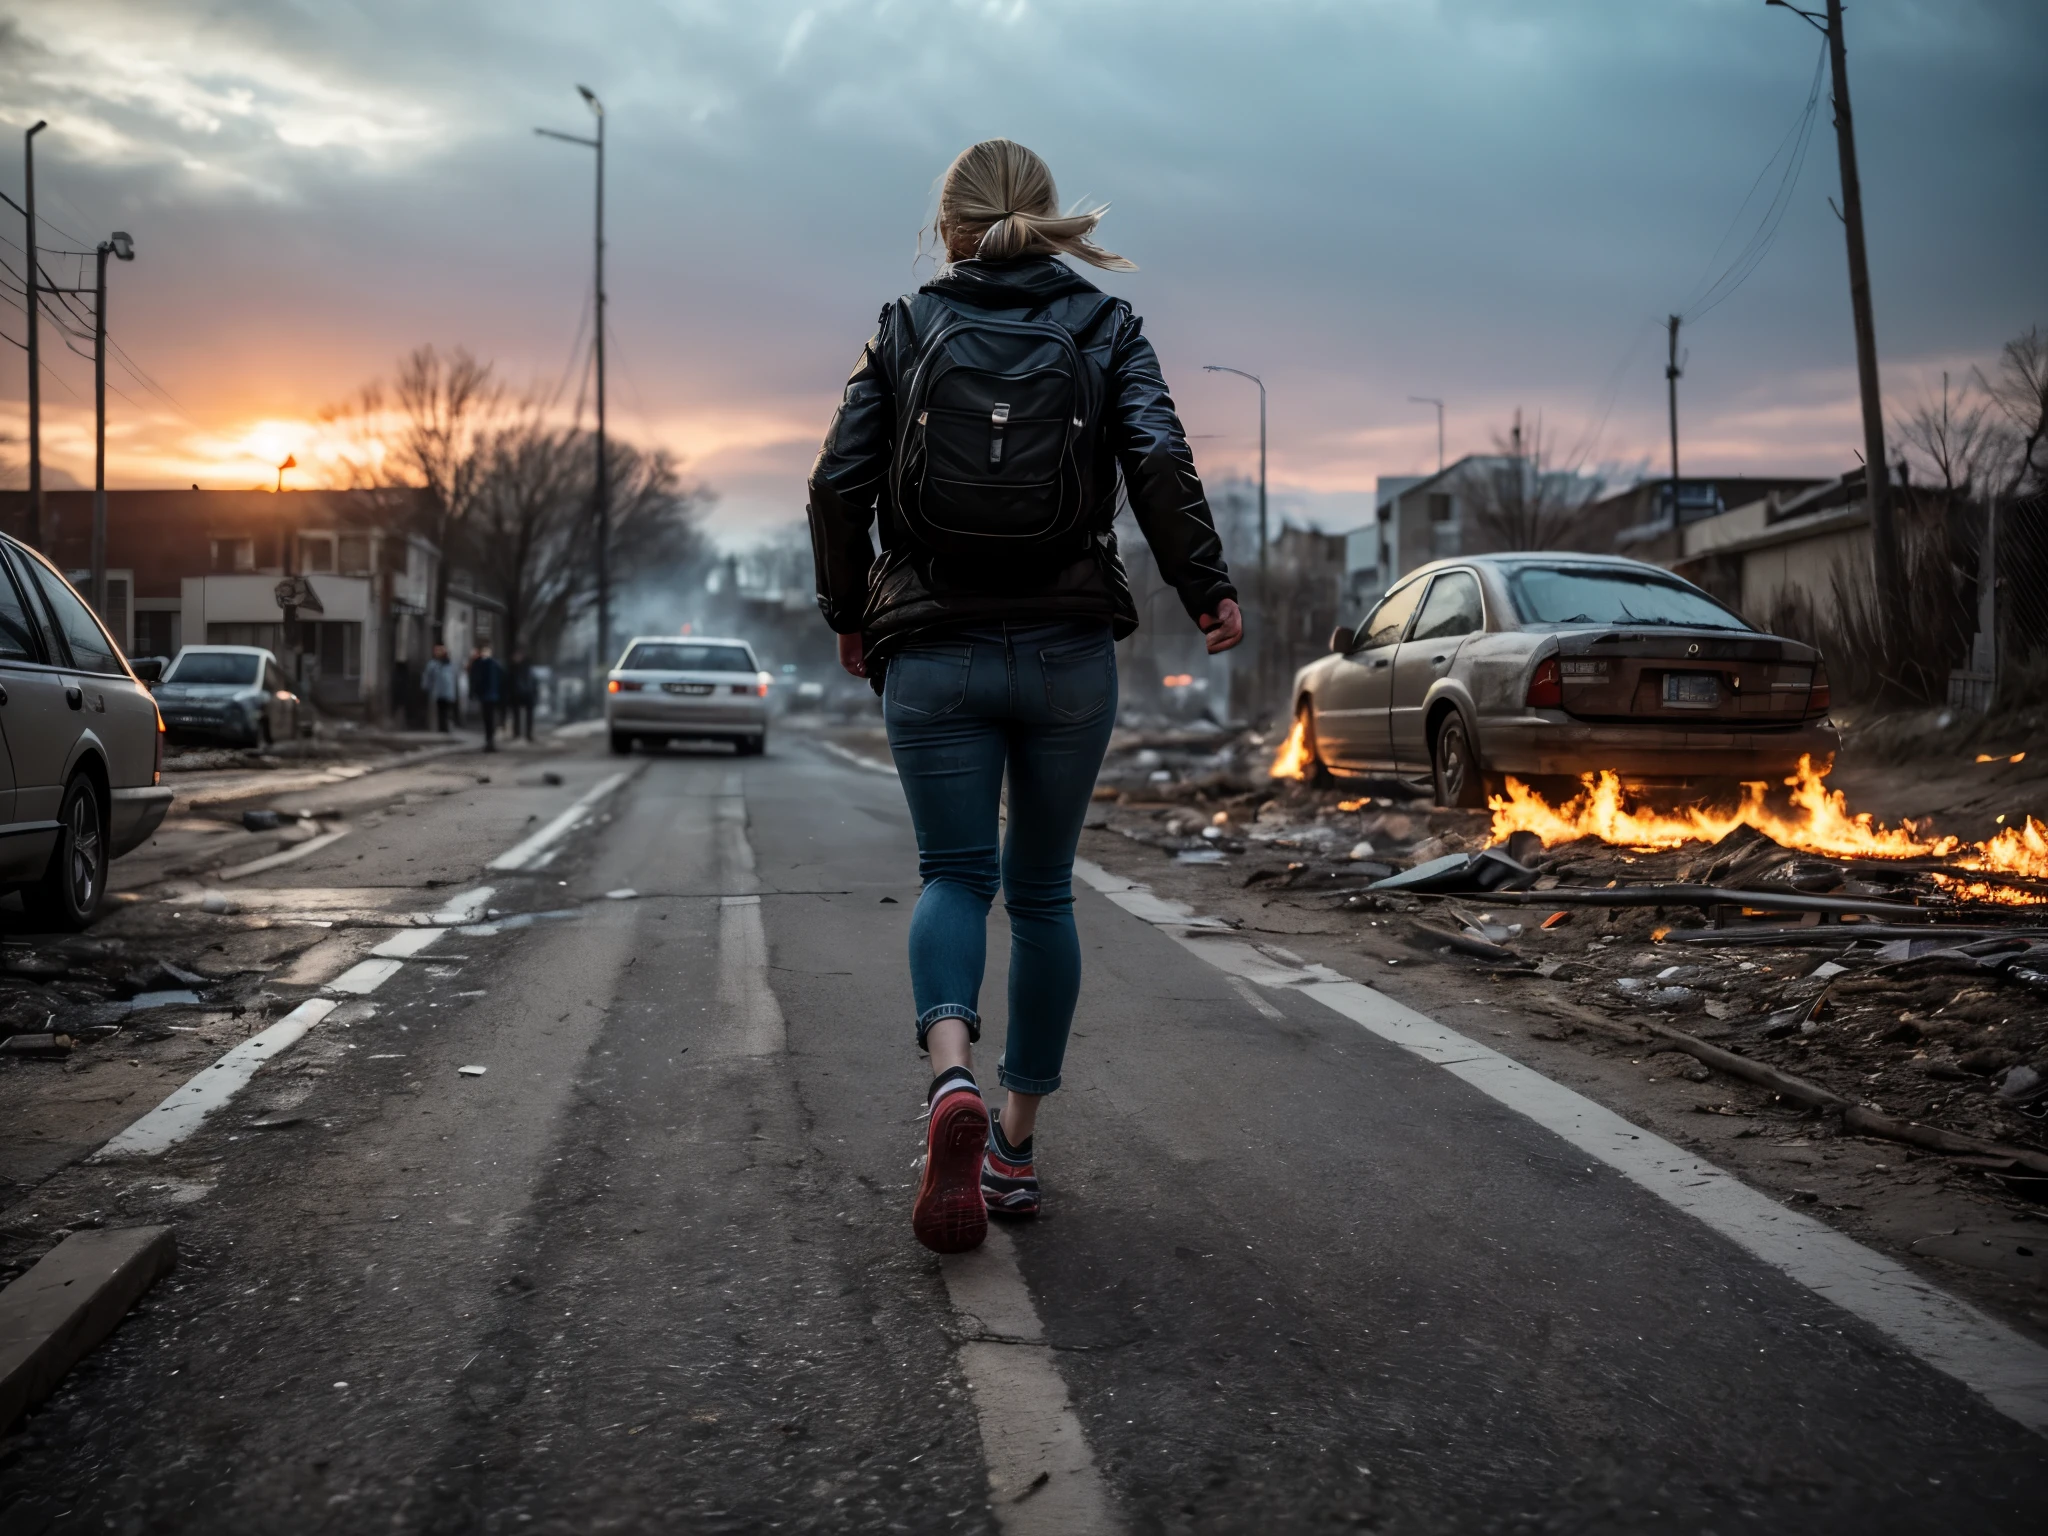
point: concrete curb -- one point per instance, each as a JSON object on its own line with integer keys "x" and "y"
{"x": 54, "y": 1316}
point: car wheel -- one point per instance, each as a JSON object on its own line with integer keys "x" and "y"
{"x": 68, "y": 895}
{"x": 1315, "y": 772}
{"x": 622, "y": 743}
{"x": 1459, "y": 782}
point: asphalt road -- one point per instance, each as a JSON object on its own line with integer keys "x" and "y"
{"x": 653, "y": 1269}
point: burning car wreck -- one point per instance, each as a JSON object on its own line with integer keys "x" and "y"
{"x": 1549, "y": 667}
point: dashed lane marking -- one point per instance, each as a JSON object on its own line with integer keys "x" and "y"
{"x": 290, "y": 855}
{"x": 858, "y": 759}
{"x": 180, "y": 1114}
{"x": 527, "y": 853}
{"x": 1042, "y": 1479}
{"x": 2009, "y": 1371}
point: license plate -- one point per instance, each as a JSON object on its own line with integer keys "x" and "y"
{"x": 1692, "y": 690}
{"x": 689, "y": 688}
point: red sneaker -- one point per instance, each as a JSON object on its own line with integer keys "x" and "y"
{"x": 950, "y": 1215}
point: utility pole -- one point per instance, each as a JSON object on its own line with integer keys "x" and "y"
{"x": 122, "y": 248}
{"x": 1884, "y": 544}
{"x": 1427, "y": 400}
{"x": 1672, "y": 373}
{"x": 35, "y": 364}
{"x": 602, "y": 498}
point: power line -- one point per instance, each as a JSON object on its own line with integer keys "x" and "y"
{"x": 1792, "y": 149}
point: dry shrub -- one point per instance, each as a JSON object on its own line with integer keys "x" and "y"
{"x": 1871, "y": 658}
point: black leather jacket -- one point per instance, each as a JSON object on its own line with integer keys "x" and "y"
{"x": 896, "y": 596}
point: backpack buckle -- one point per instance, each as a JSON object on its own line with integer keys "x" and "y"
{"x": 997, "y": 420}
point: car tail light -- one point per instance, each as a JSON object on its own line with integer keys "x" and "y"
{"x": 1817, "y": 701}
{"x": 621, "y": 685}
{"x": 156, "y": 774}
{"x": 1546, "y": 688}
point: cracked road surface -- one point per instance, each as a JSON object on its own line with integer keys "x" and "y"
{"x": 653, "y": 1271}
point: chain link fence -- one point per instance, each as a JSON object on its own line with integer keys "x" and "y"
{"x": 2021, "y": 599}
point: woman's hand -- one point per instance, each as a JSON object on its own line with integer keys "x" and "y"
{"x": 1224, "y": 627}
{"x": 853, "y": 654}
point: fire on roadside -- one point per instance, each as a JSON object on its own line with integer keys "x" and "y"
{"x": 1291, "y": 761}
{"x": 1819, "y": 822}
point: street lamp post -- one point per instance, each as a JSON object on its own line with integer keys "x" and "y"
{"x": 602, "y": 497}
{"x": 1430, "y": 400}
{"x": 121, "y": 248}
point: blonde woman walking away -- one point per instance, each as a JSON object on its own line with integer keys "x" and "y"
{"x": 980, "y": 441}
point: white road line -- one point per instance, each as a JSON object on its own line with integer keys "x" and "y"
{"x": 180, "y": 1114}
{"x": 749, "y": 1014}
{"x": 365, "y": 976}
{"x": 463, "y": 907}
{"x": 858, "y": 759}
{"x": 1041, "y": 1476}
{"x": 403, "y": 946}
{"x": 2008, "y": 1370}
{"x": 523, "y": 855}
{"x": 287, "y": 856}
{"x": 1250, "y": 994}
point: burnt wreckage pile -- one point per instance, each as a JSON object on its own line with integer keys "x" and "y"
{"x": 1905, "y": 998}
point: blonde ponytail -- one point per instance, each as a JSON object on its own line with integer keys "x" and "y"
{"x": 997, "y": 202}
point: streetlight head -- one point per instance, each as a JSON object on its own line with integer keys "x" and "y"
{"x": 123, "y": 245}
{"x": 590, "y": 100}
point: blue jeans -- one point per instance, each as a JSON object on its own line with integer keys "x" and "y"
{"x": 1038, "y": 701}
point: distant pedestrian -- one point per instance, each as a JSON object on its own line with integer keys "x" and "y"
{"x": 438, "y": 679}
{"x": 525, "y": 695}
{"x": 488, "y": 687}
{"x": 984, "y": 430}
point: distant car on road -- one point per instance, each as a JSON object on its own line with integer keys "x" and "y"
{"x": 84, "y": 746}
{"x": 666, "y": 689}
{"x": 235, "y": 694}
{"x": 1549, "y": 666}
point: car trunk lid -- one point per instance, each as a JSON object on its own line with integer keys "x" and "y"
{"x": 1675, "y": 675}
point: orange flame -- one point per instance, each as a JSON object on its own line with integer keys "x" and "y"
{"x": 1291, "y": 761}
{"x": 1820, "y": 822}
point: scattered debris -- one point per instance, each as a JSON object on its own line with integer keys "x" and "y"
{"x": 41, "y": 1047}
{"x": 623, "y": 893}
{"x": 471, "y": 1071}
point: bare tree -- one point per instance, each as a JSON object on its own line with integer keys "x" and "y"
{"x": 1522, "y": 499}
{"x": 2020, "y": 390}
{"x": 528, "y": 537}
{"x": 1961, "y": 439}
{"x": 446, "y": 407}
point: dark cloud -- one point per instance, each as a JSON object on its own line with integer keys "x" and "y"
{"x": 1488, "y": 201}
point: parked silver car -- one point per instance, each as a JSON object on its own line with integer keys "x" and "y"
{"x": 236, "y": 694}
{"x": 84, "y": 746}
{"x": 666, "y": 689}
{"x": 1549, "y": 666}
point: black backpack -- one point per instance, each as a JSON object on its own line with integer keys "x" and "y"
{"x": 995, "y": 438}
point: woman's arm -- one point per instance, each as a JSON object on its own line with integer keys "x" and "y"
{"x": 1164, "y": 490}
{"x": 847, "y": 481}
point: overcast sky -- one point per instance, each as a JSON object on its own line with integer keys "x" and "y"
{"x": 1491, "y": 201}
